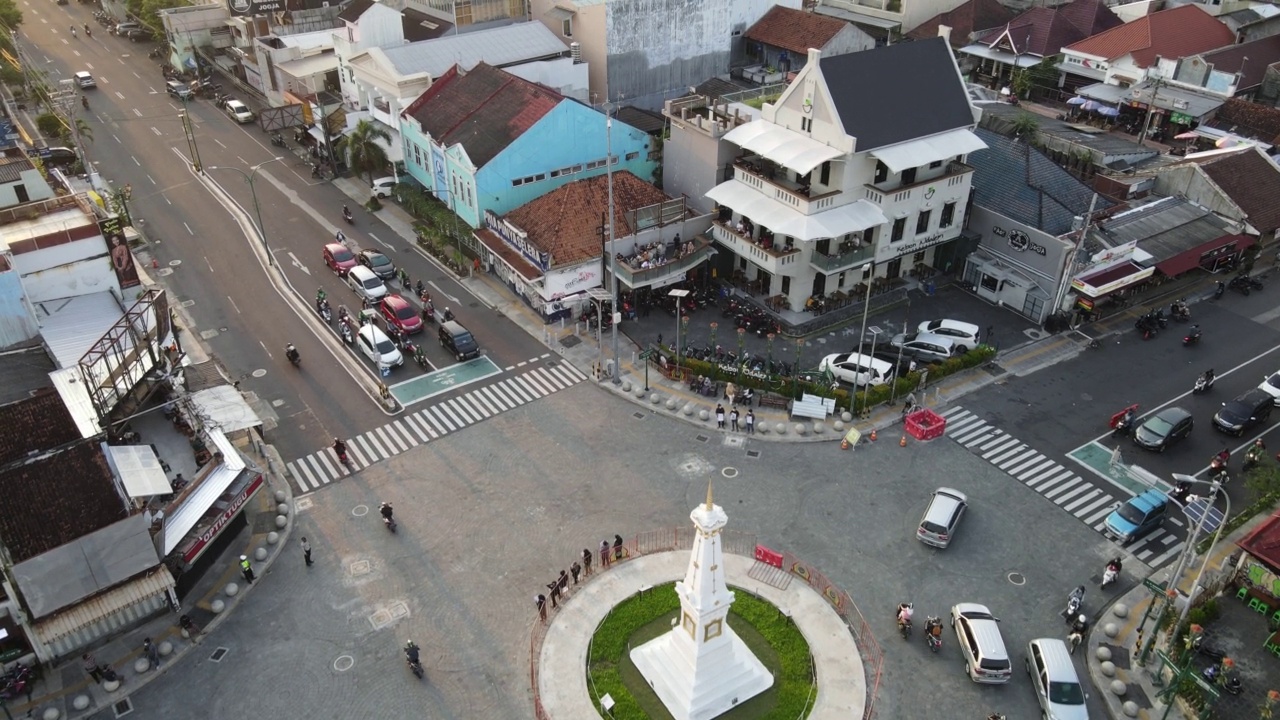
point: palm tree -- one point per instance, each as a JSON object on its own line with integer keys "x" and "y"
{"x": 363, "y": 154}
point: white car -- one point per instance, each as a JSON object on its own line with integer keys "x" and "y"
{"x": 966, "y": 335}
{"x": 855, "y": 369}
{"x": 378, "y": 347}
{"x": 84, "y": 80}
{"x": 239, "y": 111}
{"x": 382, "y": 186}
{"x": 366, "y": 284}
{"x": 1271, "y": 386}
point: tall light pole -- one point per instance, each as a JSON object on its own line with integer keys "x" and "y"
{"x": 613, "y": 256}
{"x": 257, "y": 210}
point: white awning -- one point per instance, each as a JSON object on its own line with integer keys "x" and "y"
{"x": 178, "y": 524}
{"x": 139, "y": 469}
{"x": 145, "y": 590}
{"x": 1021, "y": 60}
{"x": 786, "y": 147}
{"x": 558, "y": 14}
{"x": 769, "y": 213}
{"x": 918, "y": 153}
{"x": 223, "y": 407}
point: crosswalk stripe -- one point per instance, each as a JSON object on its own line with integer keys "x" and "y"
{"x": 403, "y": 428}
{"x": 1044, "y": 472}
{"x": 1084, "y": 506}
{"x": 966, "y": 432}
{"x": 555, "y": 378}
{"x": 995, "y": 436}
{"x": 1077, "y": 502}
{"x": 482, "y": 398}
{"x": 497, "y": 399}
{"x": 1162, "y": 559}
{"x": 1057, "y": 475}
{"x": 389, "y": 436}
{"x": 1012, "y": 453}
{"x": 360, "y": 449}
{"x": 1015, "y": 467}
{"x": 998, "y": 455}
{"x": 1081, "y": 487}
{"x": 963, "y": 423}
{"x": 328, "y": 470}
{"x": 382, "y": 443}
{"x": 954, "y": 410}
{"x": 1034, "y": 469}
{"x": 437, "y": 413}
{"x": 437, "y": 430}
{"x": 447, "y": 408}
{"x": 982, "y": 437}
{"x": 318, "y": 475}
{"x": 1070, "y": 481}
{"x": 468, "y": 405}
{"x": 516, "y": 390}
{"x": 537, "y": 375}
{"x": 535, "y": 388}
{"x": 1102, "y": 511}
{"x": 572, "y": 372}
{"x": 1004, "y": 443}
{"x": 302, "y": 474}
{"x": 415, "y": 424}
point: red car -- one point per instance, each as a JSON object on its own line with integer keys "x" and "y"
{"x": 339, "y": 258}
{"x": 398, "y": 313}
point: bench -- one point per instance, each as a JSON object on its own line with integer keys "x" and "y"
{"x": 827, "y": 403}
{"x": 773, "y": 401}
{"x": 809, "y": 408}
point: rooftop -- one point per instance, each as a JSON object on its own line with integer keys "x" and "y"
{"x": 1249, "y": 120}
{"x": 643, "y": 120}
{"x": 57, "y": 220}
{"x": 421, "y": 26}
{"x": 1252, "y": 182}
{"x": 1175, "y": 33}
{"x": 483, "y": 110}
{"x": 1250, "y": 59}
{"x": 964, "y": 21}
{"x": 34, "y": 424}
{"x": 566, "y": 222}
{"x": 1045, "y": 31}
{"x": 12, "y": 167}
{"x": 1164, "y": 228}
{"x": 354, "y": 10}
{"x": 24, "y": 369}
{"x": 897, "y": 93}
{"x": 1021, "y": 183}
{"x": 1105, "y": 143}
{"x": 794, "y": 30}
{"x": 500, "y": 47}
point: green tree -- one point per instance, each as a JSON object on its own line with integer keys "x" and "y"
{"x": 365, "y": 156}
{"x": 1026, "y": 126}
{"x": 1043, "y": 74}
{"x": 10, "y": 15}
{"x": 49, "y": 124}
{"x": 1263, "y": 480}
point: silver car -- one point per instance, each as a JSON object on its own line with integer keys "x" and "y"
{"x": 925, "y": 346}
{"x": 1054, "y": 678}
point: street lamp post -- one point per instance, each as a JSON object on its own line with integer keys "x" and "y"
{"x": 253, "y": 190}
{"x": 613, "y": 256}
{"x": 679, "y": 296}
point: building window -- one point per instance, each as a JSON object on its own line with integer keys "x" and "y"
{"x": 909, "y": 176}
{"x": 20, "y": 191}
{"x": 806, "y": 124}
{"x": 948, "y": 215}
{"x": 462, "y": 13}
{"x": 935, "y": 164}
{"x": 824, "y": 176}
{"x": 566, "y": 27}
{"x": 632, "y": 156}
{"x": 882, "y": 172}
{"x": 899, "y": 229}
{"x": 922, "y": 222}
{"x": 786, "y": 285}
{"x": 918, "y": 257}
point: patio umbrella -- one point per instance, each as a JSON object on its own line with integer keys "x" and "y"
{"x": 1090, "y": 105}
{"x": 1108, "y": 111}
{"x": 1188, "y": 135}
{"x": 1077, "y": 100}
{"x": 1227, "y": 142}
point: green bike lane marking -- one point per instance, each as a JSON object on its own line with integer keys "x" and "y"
{"x": 441, "y": 381}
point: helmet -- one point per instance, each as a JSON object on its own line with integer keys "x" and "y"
{"x": 1081, "y": 618}
{"x": 244, "y": 557}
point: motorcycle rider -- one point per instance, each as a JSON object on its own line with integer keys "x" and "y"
{"x": 340, "y": 449}
{"x": 448, "y": 315}
{"x": 411, "y": 652}
{"x": 386, "y": 511}
{"x": 320, "y": 295}
{"x": 1220, "y": 460}
{"x": 904, "y": 615}
{"x": 291, "y": 352}
{"x": 1078, "y": 628}
{"x": 1193, "y": 334}
{"x": 1255, "y": 453}
{"x": 346, "y": 213}
{"x": 933, "y": 629}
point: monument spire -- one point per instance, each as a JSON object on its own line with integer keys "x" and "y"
{"x": 709, "y": 503}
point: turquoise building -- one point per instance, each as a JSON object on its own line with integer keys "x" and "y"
{"x": 485, "y": 139}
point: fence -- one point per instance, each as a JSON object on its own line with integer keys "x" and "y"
{"x": 737, "y": 543}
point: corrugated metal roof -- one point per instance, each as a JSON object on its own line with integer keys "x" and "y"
{"x": 499, "y": 47}
{"x": 224, "y": 408}
{"x": 70, "y": 326}
{"x": 108, "y": 603}
{"x": 210, "y": 489}
{"x": 1166, "y": 227}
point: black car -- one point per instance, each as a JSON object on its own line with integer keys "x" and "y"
{"x": 1163, "y": 429}
{"x": 58, "y": 156}
{"x": 1250, "y": 409}
{"x": 377, "y": 262}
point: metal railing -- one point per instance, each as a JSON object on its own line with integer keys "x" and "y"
{"x": 764, "y": 91}
{"x": 738, "y": 543}
{"x": 844, "y": 260}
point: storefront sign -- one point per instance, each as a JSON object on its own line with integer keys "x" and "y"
{"x": 1139, "y": 275}
{"x": 518, "y": 240}
{"x": 1084, "y": 303}
{"x": 1180, "y": 119}
{"x": 1020, "y": 241}
{"x": 217, "y": 526}
{"x": 915, "y": 246}
{"x": 257, "y": 7}
{"x": 572, "y": 281}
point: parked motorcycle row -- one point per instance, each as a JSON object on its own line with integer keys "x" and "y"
{"x": 750, "y": 318}
{"x": 752, "y": 364}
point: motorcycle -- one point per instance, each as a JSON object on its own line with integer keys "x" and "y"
{"x": 1191, "y": 338}
{"x": 1231, "y": 683}
{"x": 1219, "y": 461}
{"x": 1074, "y": 602}
{"x": 1220, "y": 290}
{"x": 1180, "y": 311}
{"x": 417, "y": 353}
{"x": 387, "y": 518}
{"x": 340, "y": 449}
{"x": 278, "y": 140}
{"x": 316, "y": 172}
{"x": 1203, "y": 384}
{"x": 411, "y": 659}
{"x": 1122, "y": 422}
{"x": 291, "y": 352}
{"x": 1112, "y": 573}
{"x": 933, "y": 633}
{"x": 1180, "y": 492}
{"x": 322, "y": 306}
{"x": 1254, "y": 456}
{"x": 346, "y": 215}
{"x": 904, "y": 624}
{"x": 84, "y": 101}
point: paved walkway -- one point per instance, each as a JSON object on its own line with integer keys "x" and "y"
{"x": 842, "y": 684}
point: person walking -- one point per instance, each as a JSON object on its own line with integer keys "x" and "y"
{"x": 575, "y": 569}
{"x": 562, "y": 583}
{"x": 604, "y": 555}
{"x": 91, "y": 666}
{"x": 540, "y": 601}
{"x": 190, "y": 628}
{"x": 246, "y": 569}
{"x": 617, "y": 547}
{"x": 306, "y": 551}
{"x": 586, "y": 562}
{"x": 153, "y": 655}
{"x": 719, "y": 416}
{"x": 751, "y": 423}
{"x": 733, "y": 419}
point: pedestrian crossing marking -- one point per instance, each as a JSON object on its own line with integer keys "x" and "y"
{"x": 1063, "y": 487}
{"x": 432, "y": 423}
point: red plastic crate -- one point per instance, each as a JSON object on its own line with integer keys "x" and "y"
{"x": 925, "y": 424}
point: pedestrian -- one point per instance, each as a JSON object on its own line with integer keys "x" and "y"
{"x": 306, "y": 551}
{"x": 190, "y": 628}
{"x": 153, "y": 655}
{"x": 586, "y": 562}
{"x": 733, "y": 419}
{"x": 91, "y": 667}
{"x": 246, "y": 569}
{"x": 554, "y": 587}
{"x": 562, "y": 584}
{"x": 540, "y": 601}
{"x": 719, "y": 416}
{"x": 575, "y": 569}
{"x": 731, "y": 393}
{"x": 617, "y": 547}
{"x": 751, "y": 423}
{"x": 604, "y": 555}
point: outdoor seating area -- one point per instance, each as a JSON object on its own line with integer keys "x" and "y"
{"x": 657, "y": 254}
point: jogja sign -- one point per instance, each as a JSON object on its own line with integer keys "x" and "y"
{"x": 1020, "y": 241}
{"x": 257, "y": 7}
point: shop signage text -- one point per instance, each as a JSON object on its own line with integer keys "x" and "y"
{"x": 916, "y": 245}
{"x": 1019, "y": 240}
{"x": 517, "y": 239}
{"x": 209, "y": 534}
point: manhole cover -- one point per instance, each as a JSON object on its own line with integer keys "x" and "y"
{"x": 121, "y": 707}
{"x": 361, "y": 567}
{"x": 702, "y": 438}
{"x": 570, "y": 340}
{"x": 302, "y": 504}
{"x": 175, "y": 263}
{"x": 208, "y": 334}
{"x": 343, "y": 663}
{"x": 219, "y": 654}
{"x": 187, "y": 303}
{"x": 750, "y": 454}
{"x": 1017, "y": 578}
{"x": 735, "y": 441}
{"x": 729, "y": 472}
{"x": 260, "y": 372}
{"x": 638, "y": 415}
{"x": 164, "y": 272}
{"x": 277, "y": 403}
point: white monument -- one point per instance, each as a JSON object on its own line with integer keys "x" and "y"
{"x": 702, "y": 668}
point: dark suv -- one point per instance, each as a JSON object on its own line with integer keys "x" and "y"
{"x": 458, "y": 340}
{"x": 1247, "y": 410}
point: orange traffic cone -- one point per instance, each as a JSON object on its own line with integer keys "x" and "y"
{"x": 873, "y": 434}
{"x": 903, "y": 441}
{"x": 844, "y": 444}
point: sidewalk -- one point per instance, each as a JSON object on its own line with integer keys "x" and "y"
{"x": 69, "y": 690}
{"x": 1114, "y": 637}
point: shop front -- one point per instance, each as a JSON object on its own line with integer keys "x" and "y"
{"x": 1219, "y": 254}
{"x": 1114, "y": 278}
{"x": 1015, "y": 265}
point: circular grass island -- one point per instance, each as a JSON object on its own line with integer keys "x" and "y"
{"x": 770, "y": 635}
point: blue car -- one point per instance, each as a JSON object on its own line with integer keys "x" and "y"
{"x": 1137, "y": 517}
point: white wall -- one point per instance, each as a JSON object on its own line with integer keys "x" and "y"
{"x": 32, "y": 181}
{"x": 68, "y": 270}
{"x": 562, "y": 75}
{"x": 1129, "y": 12}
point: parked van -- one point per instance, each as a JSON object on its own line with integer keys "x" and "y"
{"x": 978, "y": 634}
{"x": 1054, "y": 678}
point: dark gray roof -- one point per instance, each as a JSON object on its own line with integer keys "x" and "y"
{"x": 1019, "y": 182}
{"x": 24, "y": 368}
{"x": 354, "y": 10}
{"x": 1165, "y": 228}
{"x": 897, "y": 93}
{"x": 642, "y": 120}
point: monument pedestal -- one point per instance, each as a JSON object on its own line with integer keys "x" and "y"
{"x": 722, "y": 679}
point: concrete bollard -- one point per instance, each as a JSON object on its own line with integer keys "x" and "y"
{"x": 763, "y": 428}
{"x": 282, "y": 509}
{"x": 1130, "y": 708}
{"x": 280, "y": 496}
{"x": 639, "y": 392}
{"x": 50, "y": 714}
{"x": 838, "y": 426}
{"x": 655, "y": 399}
{"x": 1108, "y": 668}
{"x": 81, "y": 702}
{"x": 688, "y": 409}
{"x": 819, "y": 427}
{"x": 1120, "y": 610}
{"x": 260, "y": 554}
{"x": 801, "y": 430}
{"x": 1118, "y": 688}
{"x": 231, "y": 590}
{"x": 704, "y": 415}
{"x": 1111, "y": 630}
{"x": 165, "y": 648}
{"x": 281, "y": 521}
{"x": 141, "y": 665}
{"x": 671, "y": 403}
{"x": 273, "y": 538}
{"x": 111, "y": 685}
{"x": 846, "y": 416}
{"x": 1103, "y": 653}
{"x": 780, "y": 428}
{"x": 217, "y": 606}
{"x": 626, "y": 386}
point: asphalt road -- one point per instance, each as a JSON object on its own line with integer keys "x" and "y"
{"x": 219, "y": 276}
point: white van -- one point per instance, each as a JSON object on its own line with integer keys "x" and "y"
{"x": 366, "y": 284}
{"x": 378, "y": 347}
{"x": 1054, "y": 677}
{"x": 857, "y": 369}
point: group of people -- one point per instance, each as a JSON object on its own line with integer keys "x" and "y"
{"x": 609, "y": 553}
{"x": 656, "y": 254}
{"x": 749, "y": 421}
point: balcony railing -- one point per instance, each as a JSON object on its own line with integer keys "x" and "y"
{"x": 778, "y": 261}
{"x": 889, "y": 200}
{"x": 791, "y": 194}
{"x": 638, "y": 278}
{"x": 843, "y": 261}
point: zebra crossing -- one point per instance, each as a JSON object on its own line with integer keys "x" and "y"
{"x": 322, "y": 467}
{"x": 1065, "y": 488}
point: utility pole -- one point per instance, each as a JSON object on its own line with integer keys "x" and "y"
{"x": 1151, "y": 109}
{"x": 64, "y": 99}
{"x": 613, "y": 256}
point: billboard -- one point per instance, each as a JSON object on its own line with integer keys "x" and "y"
{"x": 257, "y": 7}
{"x": 112, "y": 230}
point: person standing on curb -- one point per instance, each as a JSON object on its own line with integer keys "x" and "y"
{"x": 751, "y": 423}
{"x": 306, "y": 551}
{"x": 91, "y": 666}
{"x": 540, "y": 601}
{"x": 246, "y": 569}
{"x": 586, "y": 562}
{"x": 733, "y": 419}
{"x": 190, "y": 628}
{"x": 575, "y": 570}
{"x": 719, "y": 416}
{"x": 604, "y": 555}
{"x": 153, "y": 655}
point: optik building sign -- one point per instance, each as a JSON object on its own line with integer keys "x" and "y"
{"x": 257, "y": 7}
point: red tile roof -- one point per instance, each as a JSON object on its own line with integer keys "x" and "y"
{"x": 1253, "y": 184}
{"x": 1251, "y": 59}
{"x": 964, "y": 21}
{"x": 1044, "y": 32}
{"x": 484, "y": 109}
{"x": 1089, "y": 17}
{"x": 35, "y": 424}
{"x": 566, "y": 222}
{"x": 794, "y": 30}
{"x": 1171, "y": 34}
{"x": 1249, "y": 120}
